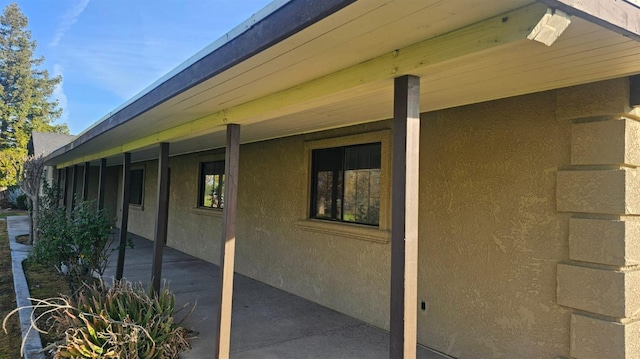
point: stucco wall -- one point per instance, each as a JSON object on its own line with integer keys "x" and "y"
{"x": 490, "y": 233}
{"x": 270, "y": 232}
{"x": 142, "y": 218}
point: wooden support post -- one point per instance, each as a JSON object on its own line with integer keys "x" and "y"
{"x": 85, "y": 181}
{"x": 102, "y": 181}
{"x": 162, "y": 216}
{"x": 404, "y": 218}
{"x": 228, "y": 246}
{"x": 124, "y": 210}
{"x": 74, "y": 186}
{"x": 58, "y": 185}
{"x": 65, "y": 187}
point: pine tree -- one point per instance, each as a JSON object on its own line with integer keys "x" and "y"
{"x": 25, "y": 94}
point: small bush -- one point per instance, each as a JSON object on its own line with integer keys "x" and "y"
{"x": 16, "y": 198}
{"x": 120, "y": 321}
{"x": 22, "y": 202}
{"x": 77, "y": 245}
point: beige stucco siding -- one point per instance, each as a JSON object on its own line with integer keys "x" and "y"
{"x": 273, "y": 245}
{"x": 142, "y": 218}
{"x": 491, "y": 235}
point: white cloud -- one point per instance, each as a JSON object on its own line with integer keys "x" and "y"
{"x": 59, "y": 94}
{"x": 67, "y": 21}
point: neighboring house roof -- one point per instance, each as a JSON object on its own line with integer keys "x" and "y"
{"x": 43, "y": 143}
{"x": 301, "y": 66}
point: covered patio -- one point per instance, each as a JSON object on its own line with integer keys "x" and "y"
{"x": 267, "y": 322}
{"x": 472, "y": 118}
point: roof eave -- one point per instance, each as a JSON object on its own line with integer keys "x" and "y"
{"x": 276, "y": 26}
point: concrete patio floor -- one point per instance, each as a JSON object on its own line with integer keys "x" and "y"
{"x": 267, "y": 322}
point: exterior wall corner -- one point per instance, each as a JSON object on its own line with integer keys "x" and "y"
{"x": 600, "y": 189}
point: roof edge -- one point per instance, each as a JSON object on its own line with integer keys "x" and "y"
{"x": 274, "y": 23}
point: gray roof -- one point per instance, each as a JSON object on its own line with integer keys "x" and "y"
{"x": 43, "y": 143}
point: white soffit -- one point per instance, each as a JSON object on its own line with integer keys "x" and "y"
{"x": 364, "y": 30}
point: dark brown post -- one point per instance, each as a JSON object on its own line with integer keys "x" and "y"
{"x": 124, "y": 209}
{"x": 85, "y": 181}
{"x": 58, "y": 185}
{"x": 404, "y": 218}
{"x": 74, "y": 186}
{"x": 102, "y": 179}
{"x": 65, "y": 186}
{"x": 228, "y": 248}
{"x": 162, "y": 216}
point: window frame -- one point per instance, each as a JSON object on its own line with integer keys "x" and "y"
{"x": 200, "y": 187}
{"x": 339, "y": 164}
{"x": 143, "y": 171}
{"x": 380, "y": 233}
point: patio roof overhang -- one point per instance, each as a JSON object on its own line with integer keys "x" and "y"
{"x": 304, "y": 66}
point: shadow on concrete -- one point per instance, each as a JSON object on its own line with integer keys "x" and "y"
{"x": 267, "y": 322}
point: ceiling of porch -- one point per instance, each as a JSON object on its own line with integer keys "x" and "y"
{"x": 302, "y": 84}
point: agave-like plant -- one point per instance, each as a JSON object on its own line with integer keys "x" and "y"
{"x": 120, "y": 320}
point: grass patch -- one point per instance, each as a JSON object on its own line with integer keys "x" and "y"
{"x": 44, "y": 282}
{"x": 23, "y": 239}
{"x": 4, "y": 213}
{"x": 9, "y": 343}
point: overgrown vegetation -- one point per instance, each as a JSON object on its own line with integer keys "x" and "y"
{"x": 8, "y": 213}
{"x": 10, "y": 340}
{"x": 76, "y": 245}
{"x": 93, "y": 320}
{"x": 120, "y": 320}
{"x": 44, "y": 283}
{"x": 16, "y": 199}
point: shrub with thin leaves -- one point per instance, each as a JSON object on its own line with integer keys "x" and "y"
{"x": 120, "y": 320}
{"x": 123, "y": 320}
{"x": 77, "y": 244}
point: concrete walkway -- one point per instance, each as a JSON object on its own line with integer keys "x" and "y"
{"x": 267, "y": 322}
{"x": 19, "y": 225}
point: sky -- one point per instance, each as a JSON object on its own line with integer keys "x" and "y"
{"x": 109, "y": 50}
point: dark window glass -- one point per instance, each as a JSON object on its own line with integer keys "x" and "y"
{"x": 346, "y": 184}
{"x": 211, "y": 190}
{"x": 136, "y": 186}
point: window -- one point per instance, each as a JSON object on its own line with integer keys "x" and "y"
{"x": 346, "y": 184}
{"x": 211, "y": 190}
{"x": 136, "y": 186}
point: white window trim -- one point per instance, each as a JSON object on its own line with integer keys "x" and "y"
{"x": 381, "y": 233}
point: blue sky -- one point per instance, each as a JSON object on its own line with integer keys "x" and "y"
{"x": 109, "y": 50}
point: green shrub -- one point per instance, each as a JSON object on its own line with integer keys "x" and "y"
{"x": 122, "y": 320}
{"x": 78, "y": 244}
{"x": 16, "y": 198}
{"x": 22, "y": 202}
